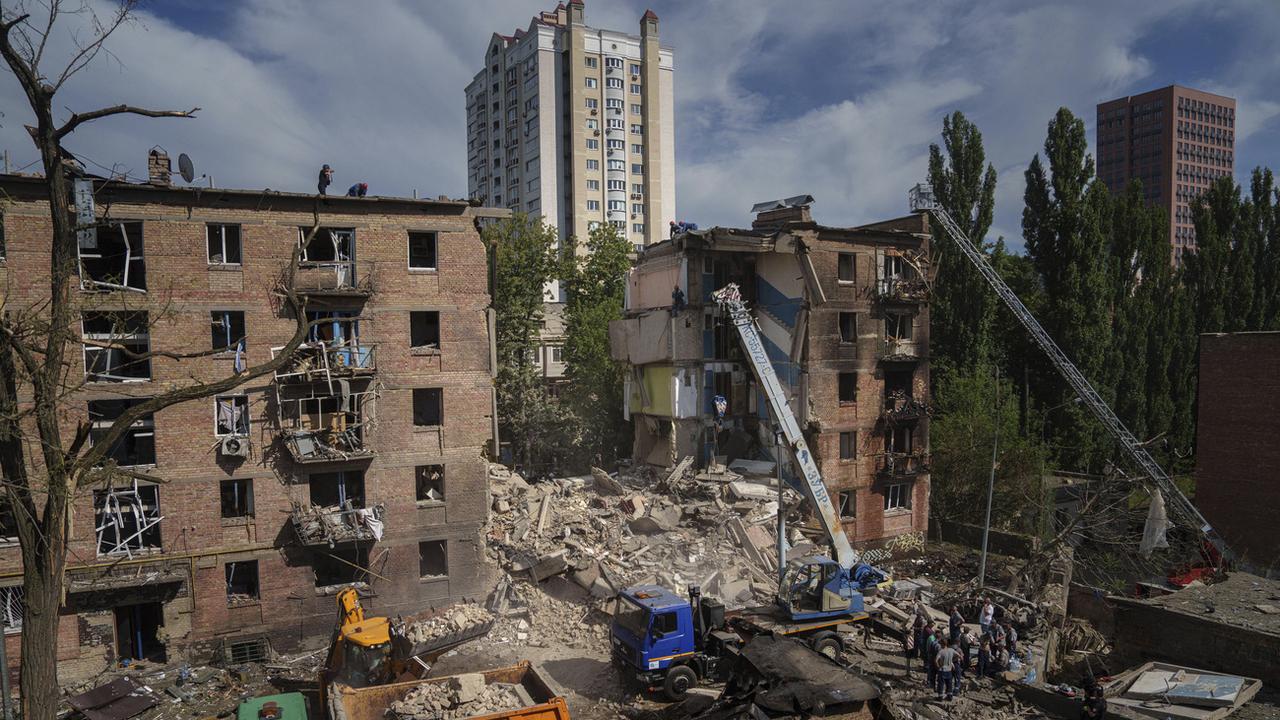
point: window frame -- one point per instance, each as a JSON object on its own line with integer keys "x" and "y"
{"x": 841, "y": 318}
{"x": 428, "y": 391}
{"x": 897, "y": 497}
{"x": 852, "y": 260}
{"x": 848, "y": 450}
{"x": 142, "y": 427}
{"x": 847, "y": 499}
{"x": 236, "y": 399}
{"x": 424, "y": 472}
{"x": 443, "y": 544}
{"x": 228, "y": 324}
{"x": 120, "y": 318}
{"x": 222, "y": 240}
{"x": 840, "y": 379}
{"x": 250, "y": 598}
{"x": 248, "y": 498}
{"x": 435, "y": 250}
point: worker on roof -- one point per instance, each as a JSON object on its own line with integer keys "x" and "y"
{"x": 358, "y": 190}
{"x": 326, "y": 178}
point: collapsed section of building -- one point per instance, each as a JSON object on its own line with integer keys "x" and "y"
{"x": 844, "y": 317}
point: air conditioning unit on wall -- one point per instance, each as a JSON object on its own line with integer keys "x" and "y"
{"x": 234, "y": 446}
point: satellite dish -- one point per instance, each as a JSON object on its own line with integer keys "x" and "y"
{"x": 187, "y": 170}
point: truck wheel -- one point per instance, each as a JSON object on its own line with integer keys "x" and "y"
{"x": 679, "y": 680}
{"x": 828, "y": 645}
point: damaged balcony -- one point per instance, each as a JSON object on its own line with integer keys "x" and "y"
{"x": 324, "y": 422}
{"x": 900, "y": 276}
{"x": 320, "y": 361}
{"x": 902, "y": 464}
{"x": 901, "y": 407}
{"x": 333, "y": 525}
{"x": 327, "y": 265}
{"x": 897, "y": 350}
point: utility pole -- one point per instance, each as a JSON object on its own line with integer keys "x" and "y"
{"x": 991, "y": 484}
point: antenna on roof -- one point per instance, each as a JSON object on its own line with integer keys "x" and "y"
{"x": 188, "y": 169}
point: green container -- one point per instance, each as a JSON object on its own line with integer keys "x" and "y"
{"x": 288, "y": 706}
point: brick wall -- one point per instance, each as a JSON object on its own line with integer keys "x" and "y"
{"x": 1237, "y": 456}
{"x": 182, "y": 291}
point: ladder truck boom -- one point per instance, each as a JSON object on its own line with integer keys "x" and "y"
{"x": 815, "y": 490}
{"x": 923, "y": 201}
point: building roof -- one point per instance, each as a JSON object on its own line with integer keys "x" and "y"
{"x": 32, "y": 187}
{"x": 649, "y": 15}
{"x": 1233, "y": 601}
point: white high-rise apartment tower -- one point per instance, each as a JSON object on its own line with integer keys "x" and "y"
{"x": 576, "y": 124}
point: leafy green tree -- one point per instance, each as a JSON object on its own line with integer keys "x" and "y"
{"x": 594, "y": 284}
{"x": 523, "y": 259}
{"x": 962, "y": 306}
{"x": 1216, "y": 214}
{"x": 1065, "y": 223}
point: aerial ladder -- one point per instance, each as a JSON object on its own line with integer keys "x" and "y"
{"x": 923, "y": 200}
{"x": 835, "y": 582}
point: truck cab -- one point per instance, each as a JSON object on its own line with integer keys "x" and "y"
{"x": 818, "y": 587}
{"x": 659, "y": 640}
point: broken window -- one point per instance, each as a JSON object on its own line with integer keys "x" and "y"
{"x": 138, "y": 444}
{"x": 433, "y": 559}
{"x": 228, "y": 330}
{"x": 111, "y": 258}
{"x": 897, "y": 385}
{"x": 844, "y": 267}
{"x": 344, "y": 489}
{"x": 428, "y": 407}
{"x": 242, "y": 581}
{"x": 429, "y": 483}
{"x": 127, "y": 519}
{"x": 897, "y": 326}
{"x": 898, "y": 440}
{"x": 896, "y": 267}
{"x": 848, "y": 327}
{"x": 848, "y": 445}
{"x": 424, "y": 329}
{"x": 223, "y": 243}
{"x": 237, "y": 498}
{"x": 231, "y": 415}
{"x": 897, "y": 497}
{"x": 12, "y": 602}
{"x": 341, "y": 566}
{"x": 116, "y": 345}
{"x": 848, "y": 503}
{"x": 422, "y": 250}
{"x": 848, "y": 387}
{"x": 328, "y": 245}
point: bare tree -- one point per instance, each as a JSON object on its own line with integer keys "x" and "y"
{"x": 43, "y": 469}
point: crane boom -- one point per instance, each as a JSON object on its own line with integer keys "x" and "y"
{"x": 923, "y": 201}
{"x": 814, "y": 488}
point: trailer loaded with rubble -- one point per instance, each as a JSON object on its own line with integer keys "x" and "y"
{"x": 519, "y": 692}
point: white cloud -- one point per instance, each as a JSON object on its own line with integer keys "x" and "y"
{"x": 838, "y": 99}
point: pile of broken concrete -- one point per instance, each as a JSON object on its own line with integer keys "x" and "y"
{"x": 463, "y": 696}
{"x": 457, "y": 620}
{"x": 608, "y": 531}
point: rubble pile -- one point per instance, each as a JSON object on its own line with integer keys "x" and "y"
{"x": 455, "y": 620}
{"x": 332, "y": 524}
{"x": 607, "y": 532}
{"x": 462, "y": 697}
{"x": 532, "y": 618}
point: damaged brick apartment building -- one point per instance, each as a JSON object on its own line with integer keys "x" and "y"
{"x": 360, "y": 461}
{"x": 845, "y": 319}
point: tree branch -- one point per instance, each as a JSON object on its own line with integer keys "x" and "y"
{"x": 78, "y": 119}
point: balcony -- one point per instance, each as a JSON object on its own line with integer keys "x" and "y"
{"x": 900, "y": 350}
{"x": 320, "y": 361}
{"x": 900, "y": 407}
{"x": 326, "y": 423}
{"x": 335, "y": 278}
{"x": 902, "y": 465}
{"x": 903, "y": 289}
{"x": 334, "y": 524}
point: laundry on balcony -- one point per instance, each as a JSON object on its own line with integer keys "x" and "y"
{"x": 333, "y": 524}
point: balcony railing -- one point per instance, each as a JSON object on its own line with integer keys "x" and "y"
{"x": 334, "y": 277}
{"x": 335, "y": 524}
{"x": 902, "y": 464}
{"x": 319, "y": 361}
{"x": 902, "y": 289}
{"x": 898, "y": 406}
{"x": 326, "y": 445}
{"x": 894, "y": 349}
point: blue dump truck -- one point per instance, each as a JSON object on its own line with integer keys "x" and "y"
{"x": 669, "y": 643}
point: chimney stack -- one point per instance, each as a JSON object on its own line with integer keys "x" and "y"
{"x": 158, "y": 167}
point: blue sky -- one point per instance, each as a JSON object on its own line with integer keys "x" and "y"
{"x": 836, "y": 99}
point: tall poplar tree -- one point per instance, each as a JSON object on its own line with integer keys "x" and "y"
{"x": 962, "y": 306}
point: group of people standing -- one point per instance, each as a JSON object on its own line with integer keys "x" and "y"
{"x": 949, "y": 653}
